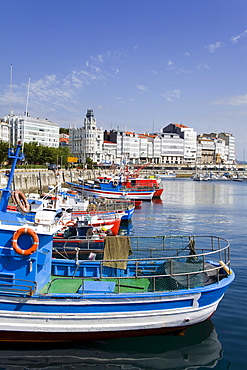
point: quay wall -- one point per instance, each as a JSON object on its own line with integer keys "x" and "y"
{"x": 40, "y": 179}
{"x": 34, "y": 180}
{"x": 30, "y": 181}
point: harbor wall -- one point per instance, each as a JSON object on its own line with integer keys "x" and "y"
{"x": 30, "y": 181}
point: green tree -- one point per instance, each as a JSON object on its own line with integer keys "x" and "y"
{"x": 89, "y": 163}
{"x": 32, "y": 152}
{"x": 3, "y": 152}
{"x": 62, "y": 155}
{"x": 39, "y": 154}
{"x": 49, "y": 155}
{"x": 64, "y": 131}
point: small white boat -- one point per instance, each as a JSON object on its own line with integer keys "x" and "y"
{"x": 167, "y": 175}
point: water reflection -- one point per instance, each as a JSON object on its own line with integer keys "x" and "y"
{"x": 198, "y": 347}
{"x": 192, "y": 207}
{"x": 188, "y": 192}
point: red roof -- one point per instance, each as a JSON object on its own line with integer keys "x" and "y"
{"x": 108, "y": 142}
{"x": 63, "y": 140}
{"x": 180, "y": 125}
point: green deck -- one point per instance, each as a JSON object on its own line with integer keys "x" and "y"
{"x": 60, "y": 284}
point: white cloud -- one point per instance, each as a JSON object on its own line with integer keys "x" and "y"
{"x": 187, "y": 54}
{"x": 235, "y": 39}
{"x": 142, "y": 88}
{"x": 202, "y": 65}
{"x": 213, "y": 47}
{"x": 170, "y": 65}
{"x": 233, "y": 100}
{"x": 55, "y": 93}
{"x": 170, "y": 95}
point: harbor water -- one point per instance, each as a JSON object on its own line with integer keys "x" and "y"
{"x": 187, "y": 207}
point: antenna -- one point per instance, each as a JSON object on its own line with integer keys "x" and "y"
{"x": 26, "y": 112}
{"x": 10, "y": 92}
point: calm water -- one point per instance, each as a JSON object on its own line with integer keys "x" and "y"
{"x": 187, "y": 207}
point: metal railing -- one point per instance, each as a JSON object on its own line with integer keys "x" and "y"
{"x": 163, "y": 263}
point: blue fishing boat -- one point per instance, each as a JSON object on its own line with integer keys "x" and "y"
{"x": 141, "y": 285}
{"x": 110, "y": 188}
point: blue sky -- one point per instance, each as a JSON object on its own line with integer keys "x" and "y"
{"x": 139, "y": 64}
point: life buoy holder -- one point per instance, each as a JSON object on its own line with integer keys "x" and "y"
{"x": 34, "y": 246}
{"x": 21, "y": 201}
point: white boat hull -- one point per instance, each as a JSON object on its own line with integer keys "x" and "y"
{"x": 33, "y": 323}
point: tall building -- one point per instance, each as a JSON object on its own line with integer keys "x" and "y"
{"x": 27, "y": 129}
{"x": 179, "y": 144}
{"x": 87, "y": 141}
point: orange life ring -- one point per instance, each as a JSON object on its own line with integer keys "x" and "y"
{"x": 34, "y": 236}
{"x": 70, "y": 223}
{"x": 21, "y": 201}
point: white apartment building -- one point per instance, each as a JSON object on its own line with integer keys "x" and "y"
{"x": 189, "y": 143}
{"x": 127, "y": 145}
{"x": 4, "y": 131}
{"x": 156, "y": 149}
{"x": 172, "y": 148}
{"x": 27, "y": 129}
{"x": 217, "y": 148}
{"x": 230, "y": 146}
{"x": 87, "y": 141}
{"x": 109, "y": 153}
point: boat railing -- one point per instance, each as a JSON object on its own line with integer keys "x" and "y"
{"x": 19, "y": 287}
{"x": 187, "y": 267}
{"x": 111, "y": 205}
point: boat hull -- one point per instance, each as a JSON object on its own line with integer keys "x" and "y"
{"x": 158, "y": 193}
{"x": 132, "y": 195}
{"x": 45, "y": 319}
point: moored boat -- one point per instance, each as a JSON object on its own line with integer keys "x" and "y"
{"x": 141, "y": 286}
{"x": 167, "y": 175}
{"x": 132, "y": 295}
{"x": 111, "y": 189}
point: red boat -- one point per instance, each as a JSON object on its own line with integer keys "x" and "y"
{"x": 103, "y": 220}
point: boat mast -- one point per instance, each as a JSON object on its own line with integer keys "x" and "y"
{"x": 10, "y": 92}
{"x": 26, "y": 112}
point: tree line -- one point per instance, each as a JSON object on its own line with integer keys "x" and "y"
{"x": 37, "y": 154}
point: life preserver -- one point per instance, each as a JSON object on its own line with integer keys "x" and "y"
{"x": 21, "y": 201}
{"x": 115, "y": 183}
{"x": 89, "y": 232}
{"x": 70, "y": 223}
{"x": 73, "y": 192}
{"x": 34, "y": 236}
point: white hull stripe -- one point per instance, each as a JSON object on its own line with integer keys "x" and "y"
{"x": 34, "y": 322}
